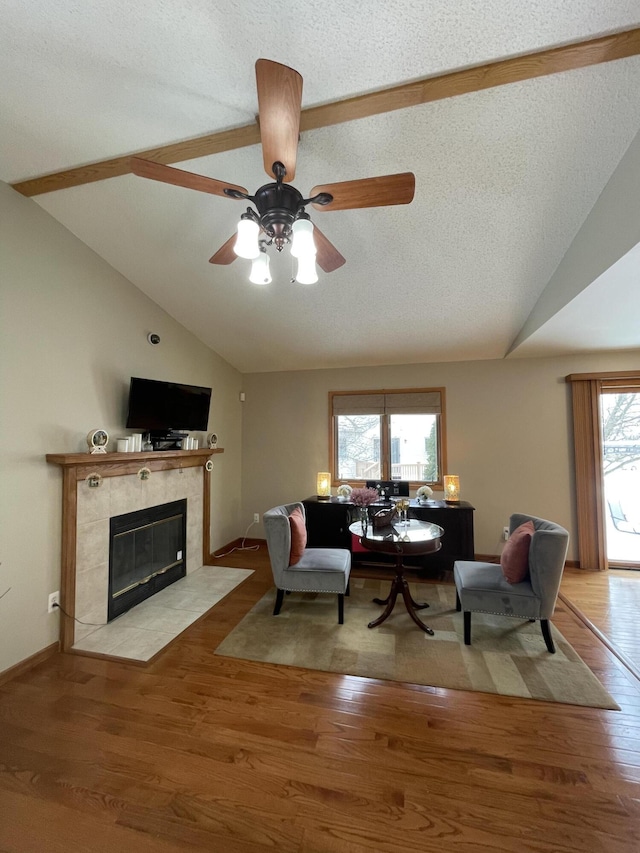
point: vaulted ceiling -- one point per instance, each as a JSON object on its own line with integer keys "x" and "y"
{"x": 521, "y": 239}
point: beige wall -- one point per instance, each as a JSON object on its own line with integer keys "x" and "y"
{"x": 508, "y": 433}
{"x": 73, "y": 333}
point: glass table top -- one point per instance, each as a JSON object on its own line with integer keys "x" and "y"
{"x": 413, "y": 531}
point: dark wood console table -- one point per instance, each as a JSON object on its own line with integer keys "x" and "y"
{"x": 328, "y": 527}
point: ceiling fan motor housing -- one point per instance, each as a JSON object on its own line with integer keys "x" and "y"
{"x": 278, "y": 206}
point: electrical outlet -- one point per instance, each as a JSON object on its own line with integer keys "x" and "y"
{"x": 256, "y": 518}
{"x": 54, "y": 599}
{"x": 505, "y": 533}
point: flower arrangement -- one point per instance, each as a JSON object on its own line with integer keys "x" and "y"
{"x": 344, "y": 490}
{"x": 424, "y": 493}
{"x": 364, "y": 497}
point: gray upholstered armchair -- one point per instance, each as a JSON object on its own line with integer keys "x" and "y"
{"x": 483, "y": 588}
{"x": 317, "y": 570}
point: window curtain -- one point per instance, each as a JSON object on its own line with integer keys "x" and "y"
{"x": 586, "y": 389}
{"x": 587, "y": 446}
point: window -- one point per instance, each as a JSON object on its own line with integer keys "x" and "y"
{"x": 597, "y": 428}
{"x": 620, "y": 430}
{"x": 388, "y": 435}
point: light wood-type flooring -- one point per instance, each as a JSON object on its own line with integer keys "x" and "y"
{"x": 200, "y": 753}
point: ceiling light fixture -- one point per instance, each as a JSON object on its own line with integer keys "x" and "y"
{"x": 307, "y": 272}
{"x": 260, "y": 268}
{"x": 279, "y": 206}
{"x": 246, "y": 245}
{"x": 280, "y": 219}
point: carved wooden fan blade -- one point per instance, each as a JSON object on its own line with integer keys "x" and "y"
{"x": 225, "y": 254}
{"x": 368, "y": 192}
{"x": 279, "y": 104}
{"x": 327, "y": 255}
{"x": 180, "y": 178}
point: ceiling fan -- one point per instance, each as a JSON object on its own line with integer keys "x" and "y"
{"x": 279, "y": 216}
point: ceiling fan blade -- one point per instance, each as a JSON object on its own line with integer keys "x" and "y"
{"x": 368, "y": 192}
{"x": 180, "y": 178}
{"x": 327, "y": 256}
{"x": 279, "y": 104}
{"x": 225, "y": 254}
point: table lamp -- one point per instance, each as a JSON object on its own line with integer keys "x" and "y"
{"x": 452, "y": 488}
{"x": 323, "y": 485}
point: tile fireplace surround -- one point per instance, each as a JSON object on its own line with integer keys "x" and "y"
{"x": 86, "y": 512}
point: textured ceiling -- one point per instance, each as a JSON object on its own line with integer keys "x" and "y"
{"x": 505, "y": 177}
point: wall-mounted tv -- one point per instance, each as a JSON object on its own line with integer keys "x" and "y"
{"x": 163, "y": 407}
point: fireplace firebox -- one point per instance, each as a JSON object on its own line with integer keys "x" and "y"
{"x": 147, "y": 552}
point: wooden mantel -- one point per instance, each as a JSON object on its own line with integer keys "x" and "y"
{"x": 77, "y": 467}
{"x": 117, "y": 464}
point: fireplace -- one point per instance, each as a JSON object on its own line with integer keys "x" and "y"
{"x": 95, "y": 488}
{"x": 147, "y": 552}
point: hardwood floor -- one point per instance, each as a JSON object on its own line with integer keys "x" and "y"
{"x": 199, "y": 753}
{"x": 611, "y": 602}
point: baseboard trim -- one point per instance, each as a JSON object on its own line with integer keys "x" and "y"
{"x": 28, "y": 663}
{"x": 627, "y": 662}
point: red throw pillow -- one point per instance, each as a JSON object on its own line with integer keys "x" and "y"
{"x": 298, "y": 536}
{"x": 515, "y": 554}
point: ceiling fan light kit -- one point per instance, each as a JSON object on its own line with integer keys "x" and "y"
{"x": 307, "y": 272}
{"x": 302, "y": 243}
{"x": 280, "y": 219}
{"x": 303, "y": 248}
{"x": 279, "y": 216}
{"x": 246, "y": 245}
{"x": 260, "y": 268}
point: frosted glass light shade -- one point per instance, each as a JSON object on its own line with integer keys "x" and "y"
{"x": 307, "y": 273}
{"x": 303, "y": 243}
{"x": 260, "y": 269}
{"x": 323, "y": 485}
{"x": 246, "y": 245}
{"x": 452, "y": 488}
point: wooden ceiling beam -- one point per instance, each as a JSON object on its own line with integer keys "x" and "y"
{"x": 500, "y": 73}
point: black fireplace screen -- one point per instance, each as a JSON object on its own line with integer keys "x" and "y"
{"x": 147, "y": 552}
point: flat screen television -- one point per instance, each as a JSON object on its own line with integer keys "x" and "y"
{"x": 165, "y": 407}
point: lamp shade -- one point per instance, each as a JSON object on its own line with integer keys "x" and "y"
{"x": 452, "y": 488}
{"x": 303, "y": 243}
{"x": 323, "y": 485}
{"x": 246, "y": 245}
{"x": 307, "y": 272}
{"x": 260, "y": 269}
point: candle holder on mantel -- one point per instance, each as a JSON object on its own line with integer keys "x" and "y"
{"x": 323, "y": 486}
{"x": 452, "y": 489}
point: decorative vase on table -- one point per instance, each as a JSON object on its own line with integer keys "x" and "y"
{"x": 344, "y": 492}
{"x": 362, "y": 498}
{"x": 424, "y": 494}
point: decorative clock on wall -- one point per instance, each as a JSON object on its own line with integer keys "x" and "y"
{"x": 97, "y": 440}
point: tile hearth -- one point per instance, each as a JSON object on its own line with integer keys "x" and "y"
{"x": 146, "y": 629}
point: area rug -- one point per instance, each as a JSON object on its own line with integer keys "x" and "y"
{"x": 507, "y": 656}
